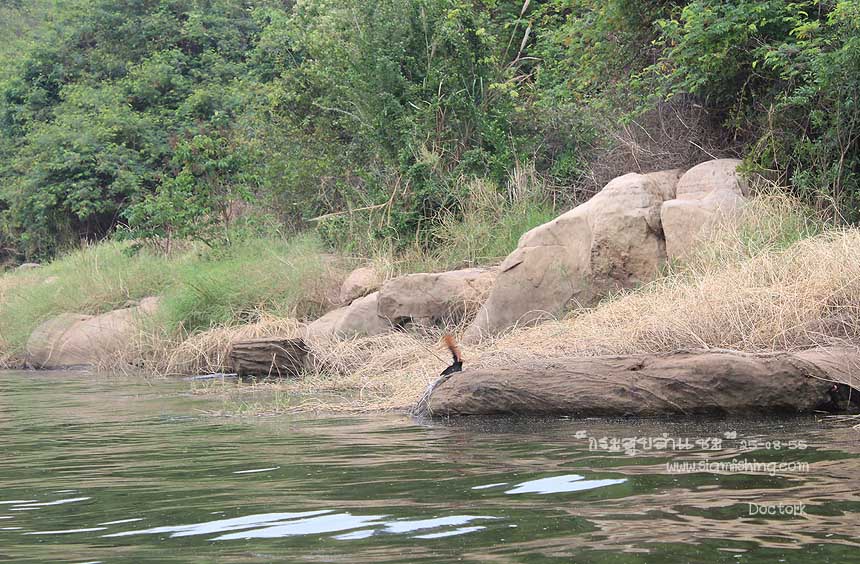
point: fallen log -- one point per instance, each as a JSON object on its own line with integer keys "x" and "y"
{"x": 709, "y": 382}
{"x": 272, "y": 357}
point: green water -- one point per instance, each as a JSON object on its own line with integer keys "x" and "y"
{"x": 97, "y": 469}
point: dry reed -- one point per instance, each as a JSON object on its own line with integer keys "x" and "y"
{"x": 763, "y": 283}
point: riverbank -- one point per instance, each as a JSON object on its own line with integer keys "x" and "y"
{"x": 775, "y": 291}
{"x": 775, "y": 279}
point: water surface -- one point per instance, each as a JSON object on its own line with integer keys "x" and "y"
{"x": 101, "y": 469}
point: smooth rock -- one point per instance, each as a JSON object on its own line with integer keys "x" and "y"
{"x": 679, "y": 383}
{"x": 435, "y": 298}
{"x": 706, "y": 194}
{"x": 73, "y": 340}
{"x": 359, "y": 283}
{"x": 611, "y": 242}
{"x": 359, "y": 319}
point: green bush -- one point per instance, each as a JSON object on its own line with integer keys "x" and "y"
{"x": 787, "y": 77}
{"x": 398, "y": 98}
{"x": 91, "y": 114}
{"x": 156, "y": 116}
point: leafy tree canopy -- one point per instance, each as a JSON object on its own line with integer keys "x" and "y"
{"x": 160, "y": 117}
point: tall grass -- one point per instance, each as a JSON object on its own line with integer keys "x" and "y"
{"x": 485, "y": 228}
{"x": 292, "y": 278}
{"x": 92, "y": 280}
{"x": 200, "y": 289}
{"x": 775, "y": 278}
{"x": 490, "y": 227}
{"x": 769, "y": 222}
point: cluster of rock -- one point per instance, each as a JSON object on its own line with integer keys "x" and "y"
{"x": 618, "y": 239}
{"x": 411, "y": 300}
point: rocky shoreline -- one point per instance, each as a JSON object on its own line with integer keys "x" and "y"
{"x": 618, "y": 240}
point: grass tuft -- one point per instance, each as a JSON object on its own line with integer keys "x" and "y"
{"x": 95, "y": 279}
{"x": 291, "y": 278}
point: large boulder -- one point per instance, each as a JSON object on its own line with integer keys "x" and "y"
{"x": 435, "y": 298}
{"x": 359, "y": 283}
{"x": 611, "y": 242}
{"x": 74, "y": 340}
{"x": 705, "y": 195}
{"x": 359, "y": 319}
{"x": 678, "y": 383}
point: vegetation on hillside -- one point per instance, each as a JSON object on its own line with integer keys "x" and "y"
{"x": 237, "y": 157}
{"x": 213, "y": 120}
{"x": 254, "y": 279}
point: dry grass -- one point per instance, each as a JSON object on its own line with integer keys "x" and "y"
{"x": 386, "y": 372}
{"x": 773, "y": 280}
{"x": 155, "y": 350}
{"x": 759, "y": 286}
{"x": 807, "y": 295}
{"x": 766, "y": 282}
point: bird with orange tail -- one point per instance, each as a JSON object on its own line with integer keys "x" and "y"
{"x": 455, "y": 352}
{"x": 420, "y": 407}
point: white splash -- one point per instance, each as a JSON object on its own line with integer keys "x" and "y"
{"x": 47, "y": 503}
{"x": 122, "y": 521}
{"x": 488, "y": 486}
{"x": 222, "y": 525}
{"x": 256, "y": 470}
{"x": 454, "y": 533}
{"x": 67, "y": 531}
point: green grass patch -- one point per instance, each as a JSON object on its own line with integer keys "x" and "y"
{"x": 91, "y": 280}
{"x": 287, "y": 278}
{"x": 485, "y": 229}
{"x": 201, "y": 288}
{"x": 486, "y": 237}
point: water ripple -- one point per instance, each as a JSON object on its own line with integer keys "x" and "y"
{"x": 280, "y": 525}
{"x": 561, "y": 484}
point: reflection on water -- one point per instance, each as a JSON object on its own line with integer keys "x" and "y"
{"x": 105, "y": 470}
{"x": 561, "y": 484}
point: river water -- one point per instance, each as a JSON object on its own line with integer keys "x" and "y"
{"x": 105, "y": 469}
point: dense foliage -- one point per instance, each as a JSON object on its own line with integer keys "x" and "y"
{"x": 170, "y": 119}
